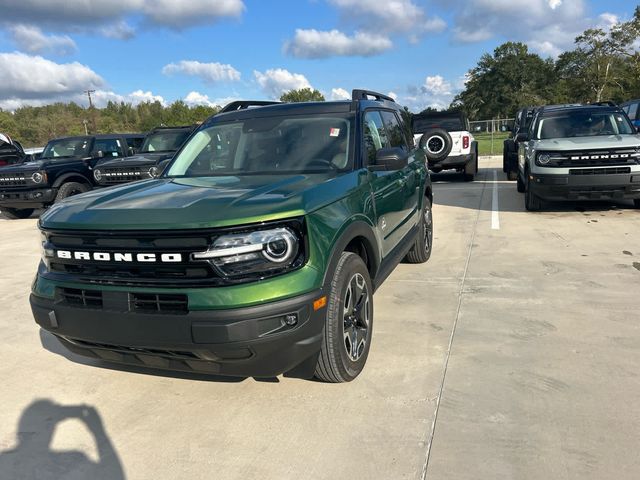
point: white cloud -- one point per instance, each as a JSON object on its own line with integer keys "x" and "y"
{"x": 31, "y": 39}
{"x": 82, "y": 14}
{"x": 207, "y": 72}
{"x": 102, "y": 97}
{"x": 390, "y": 16}
{"x": 340, "y": 94}
{"x": 120, "y": 31}
{"x": 276, "y": 81}
{"x": 194, "y": 99}
{"x": 33, "y": 77}
{"x": 549, "y": 26}
{"x": 322, "y": 44}
{"x": 436, "y": 85}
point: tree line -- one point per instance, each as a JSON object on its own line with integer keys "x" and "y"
{"x": 603, "y": 65}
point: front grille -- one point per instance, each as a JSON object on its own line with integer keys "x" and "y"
{"x": 132, "y": 272}
{"x": 177, "y": 354}
{"x": 600, "y": 171}
{"x": 594, "y": 158}
{"x": 112, "y": 176}
{"x": 82, "y": 298}
{"x": 158, "y": 303}
{"x": 12, "y": 180}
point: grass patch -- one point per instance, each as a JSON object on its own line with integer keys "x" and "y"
{"x": 484, "y": 143}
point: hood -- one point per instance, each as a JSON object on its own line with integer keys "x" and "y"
{"x": 10, "y": 151}
{"x": 604, "y": 142}
{"x": 185, "y": 203}
{"x": 25, "y": 167}
{"x": 142, "y": 159}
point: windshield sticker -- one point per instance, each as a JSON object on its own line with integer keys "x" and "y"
{"x": 334, "y": 132}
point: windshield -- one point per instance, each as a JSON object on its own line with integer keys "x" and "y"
{"x": 164, "y": 141}
{"x": 584, "y": 124}
{"x": 271, "y": 145}
{"x": 68, "y": 147}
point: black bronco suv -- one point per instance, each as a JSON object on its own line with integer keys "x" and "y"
{"x": 63, "y": 169}
{"x": 510, "y": 145}
{"x": 158, "y": 148}
{"x": 255, "y": 253}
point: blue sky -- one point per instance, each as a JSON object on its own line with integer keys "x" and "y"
{"x": 212, "y": 51}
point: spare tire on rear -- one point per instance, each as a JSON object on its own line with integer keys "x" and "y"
{"x": 436, "y": 143}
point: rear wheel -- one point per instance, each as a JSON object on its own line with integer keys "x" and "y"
{"x": 15, "y": 213}
{"x": 70, "y": 189}
{"x": 531, "y": 200}
{"x": 348, "y": 326}
{"x": 421, "y": 250}
{"x": 471, "y": 168}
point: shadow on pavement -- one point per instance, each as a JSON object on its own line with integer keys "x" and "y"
{"x": 451, "y": 189}
{"x": 32, "y": 458}
{"x": 50, "y": 342}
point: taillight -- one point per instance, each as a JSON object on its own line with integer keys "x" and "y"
{"x": 465, "y": 142}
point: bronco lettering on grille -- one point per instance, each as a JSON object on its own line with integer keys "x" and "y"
{"x": 120, "y": 257}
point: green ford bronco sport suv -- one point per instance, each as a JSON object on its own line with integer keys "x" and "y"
{"x": 256, "y": 252}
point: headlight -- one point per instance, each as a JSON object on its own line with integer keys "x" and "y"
{"x": 154, "y": 172}
{"x": 39, "y": 177}
{"x": 260, "y": 252}
{"x": 544, "y": 159}
{"x": 97, "y": 174}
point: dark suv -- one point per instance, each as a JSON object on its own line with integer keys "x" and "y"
{"x": 158, "y": 148}
{"x": 632, "y": 109}
{"x": 510, "y": 149}
{"x": 63, "y": 169}
{"x": 255, "y": 253}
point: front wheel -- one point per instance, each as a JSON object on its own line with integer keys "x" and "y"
{"x": 70, "y": 189}
{"x": 421, "y": 250}
{"x": 471, "y": 168}
{"x": 531, "y": 201}
{"x": 636, "y": 202}
{"x": 15, "y": 213}
{"x": 520, "y": 184}
{"x": 349, "y": 321}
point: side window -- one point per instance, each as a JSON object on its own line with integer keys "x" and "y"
{"x": 135, "y": 143}
{"x": 110, "y": 147}
{"x": 633, "y": 111}
{"x": 375, "y": 136}
{"x": 394, "y": 130}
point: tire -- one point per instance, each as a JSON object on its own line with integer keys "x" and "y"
{"x": 421, "y": 250}
{"x": 520, "y": 185}
{"x": 636, "y": 202}
{"x": 471, "y": 168}
{"x": 338, "y": 361}
{"x": 511, "y": 175}
{"x": 15, "y": 213}
{"x": 436, "y": 143}
{"x": 508, "y": 149}
{"x": 531, "y": 201}
{"x": 70, "y": 189}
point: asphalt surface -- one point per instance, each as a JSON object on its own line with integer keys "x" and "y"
{"x": 512, "y": 354}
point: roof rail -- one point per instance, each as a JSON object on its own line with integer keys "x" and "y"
{"x": 244, "y": 104}
{"x": 365, "y": 94}
{"x": 606, "y": 103}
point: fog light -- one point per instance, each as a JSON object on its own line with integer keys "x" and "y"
{"x": 291, "y": 319}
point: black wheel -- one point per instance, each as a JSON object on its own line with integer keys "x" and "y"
{"x": 436, "y": 143}
{"x": 349, "y": 322}
{"x": 636, "y": 202}
{"x": 520, "y": 185}
{"x": 511, "y": 175}
{"x": 508, "y": 149}
{"x": 15, "y": 213}
{"x": 531, "y": 200}
{"x": 70, "y": 189}
{"x": 421, "y": 250}
{"x": 471, "y": 168}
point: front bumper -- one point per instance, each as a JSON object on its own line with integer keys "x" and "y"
{"x": 451, "y": 162}
{"x": 31, "y": 198}
{"x": 253, "y": 341}
{"x": 586, "y": 187}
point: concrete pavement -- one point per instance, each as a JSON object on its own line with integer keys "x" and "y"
{"x": 512, "y": 353}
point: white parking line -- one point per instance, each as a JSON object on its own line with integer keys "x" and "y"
{"x": 495, "y": 216}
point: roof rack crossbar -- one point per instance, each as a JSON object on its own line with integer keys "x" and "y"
{"x": 244, "y": 104}
{"x": 365, "y": 94}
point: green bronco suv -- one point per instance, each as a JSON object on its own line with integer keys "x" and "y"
{"x": 256, "y": 252}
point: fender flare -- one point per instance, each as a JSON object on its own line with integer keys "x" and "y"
{"x": 358, "y": 228}
{"x": 72, "y": 175}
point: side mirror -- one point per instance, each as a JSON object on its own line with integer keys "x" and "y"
{"x": 99, "y": 154}
{"x": 393, "y": 158}
{"x": 522, "y": 137}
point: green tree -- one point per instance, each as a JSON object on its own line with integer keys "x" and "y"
{"x": 302, "y": 95}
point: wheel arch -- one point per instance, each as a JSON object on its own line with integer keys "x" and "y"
{"x": 72, "y": 177}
